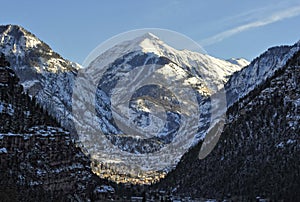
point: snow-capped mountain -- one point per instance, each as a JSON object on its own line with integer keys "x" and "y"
{"x": 257, "y": 154}
{"x": 180, "y": 75}
{"x": 50, "y": 78}
{"x": 203, "y": 65}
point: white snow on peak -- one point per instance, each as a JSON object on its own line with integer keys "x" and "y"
{"x": 147, "y": 43}
{"x": 151, "y": 45}
{"x": 208, "y": 66}
{"x": 17, "y": 42}
{"x": 149, "y": 35}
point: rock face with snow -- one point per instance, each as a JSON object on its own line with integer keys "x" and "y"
{"x": 182, "y": 84}
{"x": 260, "y": 69}
{"x": 42, "y": 163}
{"x": 239, "y": 61}
{"x": 258, "y": 148}
{"x": 42, "y": 72}
{"x": 50, "y": 78}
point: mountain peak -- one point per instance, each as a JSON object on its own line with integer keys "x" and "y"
{"x": 147, "y": 43}
{"x": 15, "y": 31}
{"x": 16, "y": 39}
{"x": 19, "y": 45}
{"x": 149, "y": 35}
{"x": 146, "y": 40}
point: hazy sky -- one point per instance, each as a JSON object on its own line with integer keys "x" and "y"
{"x": 224, "y": 28}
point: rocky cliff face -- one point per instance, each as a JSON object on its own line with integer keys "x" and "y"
{"x": 43, "y": 73}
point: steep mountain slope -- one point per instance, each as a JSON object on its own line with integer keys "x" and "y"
{"x": 133, "y": 79}
{"x": 38, "y": 159}
{"x": 50, "y": 78}
{"x": 258, "y": 152}
{"x": 42, "y": 72}
{"x": 18, "y": 111}
{"x": 260, "y": 69}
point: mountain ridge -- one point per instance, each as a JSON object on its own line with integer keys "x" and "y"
{"x": 257, "y": 155}
{"x": 203, "y": 73}
{"x": 260, "y": 68}
{"x": 53, "y": 89}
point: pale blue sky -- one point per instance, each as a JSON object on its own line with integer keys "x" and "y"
{"x": 224, "y": 28}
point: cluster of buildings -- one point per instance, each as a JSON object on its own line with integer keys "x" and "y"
{"x": 106, "y": 172}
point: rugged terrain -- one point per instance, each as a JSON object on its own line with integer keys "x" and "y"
{"x": 258, "y": 152}
{"x": 133, "y": 79}
{"x": 39, "y": 160}
{"x": 50, "y": 79}
{"x": 43, "y": 73}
